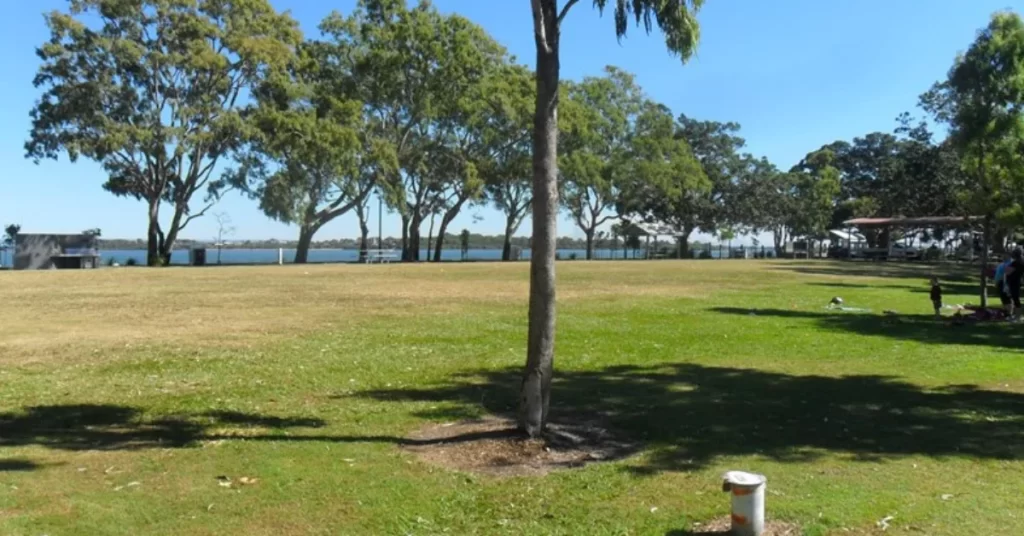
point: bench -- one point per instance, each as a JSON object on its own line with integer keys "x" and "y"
{"x": 380, "y": 255}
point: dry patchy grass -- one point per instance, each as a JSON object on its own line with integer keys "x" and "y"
{"x": 74, "y": 315}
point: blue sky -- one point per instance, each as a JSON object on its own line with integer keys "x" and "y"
{"x": 795, "y": 74}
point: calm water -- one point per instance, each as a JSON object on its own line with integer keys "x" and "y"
{"x": 269, "y": 256}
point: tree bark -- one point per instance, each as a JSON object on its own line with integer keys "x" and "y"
{"x": 430, "y": 238}
{"x": 684, "y": 242}
{"x": 414, "y": 237}
{"x": 506, "y": 248}
{"x": 153, "y": 244}
{"x": 439, "y": 245}
{"x": 306, "y": 233}
{"x": 589, "y": 233}
{"x": 535, "y": 394}
{"x": 405, "y": 238}
{"x": 985, "y": 237}
{"x": 446, "y": 220}
{"x": 364, "y": 230}
{"x": 167, "y": 242}
{"x": 363, "y": 212}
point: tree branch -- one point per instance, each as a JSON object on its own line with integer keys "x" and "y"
{"x": 192, "y": 217}
{"x": 565, "y": 10}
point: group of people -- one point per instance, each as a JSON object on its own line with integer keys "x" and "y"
{"x": 1008, "y": 275}
{"x": 1008, "y": 279}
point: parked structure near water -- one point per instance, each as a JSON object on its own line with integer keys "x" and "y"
{"x": 55, "y": 251}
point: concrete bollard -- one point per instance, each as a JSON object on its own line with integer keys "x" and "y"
{"x": 747, "y": 490}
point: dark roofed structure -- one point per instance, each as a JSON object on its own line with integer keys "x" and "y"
{"x": 55, "y": 251}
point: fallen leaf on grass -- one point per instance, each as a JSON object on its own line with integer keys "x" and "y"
{"x": 128, "y": 485}
{"x": 946, "y": 496}
{"x": 884, "y": 522}
{"x": 247, "y": 481}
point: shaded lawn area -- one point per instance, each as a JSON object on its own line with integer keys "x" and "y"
{"x": 309, "y": 379}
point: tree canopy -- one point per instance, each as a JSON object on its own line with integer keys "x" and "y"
{"x": 152, "y": 90}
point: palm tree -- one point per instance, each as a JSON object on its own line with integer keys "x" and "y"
{"x": 676, "y": 19}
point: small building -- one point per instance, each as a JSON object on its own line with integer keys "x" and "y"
{"x": 55, "y": 251}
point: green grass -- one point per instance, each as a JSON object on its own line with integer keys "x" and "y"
{"x": 126, "y": 392}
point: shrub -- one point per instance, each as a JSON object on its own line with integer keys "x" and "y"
{"x": 572, "y": 256}
{"x": 131, "y": 261}
{"x": 705, "y": 254}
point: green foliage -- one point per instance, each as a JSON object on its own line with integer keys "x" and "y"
{"x": 11, "y": 234}
{"x": 677, "y": 20}
{"x": 150, "y": 89}
{"x": 982, "y": 102}
{"x": 420, "y": 76}
{"x": 509, "y": 133}
{"x": 312, "y": 154}
{"x": 814, "y": 196}
{"x": 597, "y": 157}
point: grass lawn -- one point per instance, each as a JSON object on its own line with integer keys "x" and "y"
{"x": 127, "y": 392}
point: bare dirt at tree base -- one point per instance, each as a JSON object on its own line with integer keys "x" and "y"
{"x": 494, "y": 446}
{"x": 723, "y": 526}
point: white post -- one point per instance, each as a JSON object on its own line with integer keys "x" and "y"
{"x": 280, "y": 255}
{"x": 747, "y": 490}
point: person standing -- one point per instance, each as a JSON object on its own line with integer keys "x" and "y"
{"x": 1000, "y": 282}
{"x": 1012, "y": 279}
{"x": 936, "y": 295}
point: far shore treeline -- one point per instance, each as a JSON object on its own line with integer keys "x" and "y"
{"x": 476, "y": 241}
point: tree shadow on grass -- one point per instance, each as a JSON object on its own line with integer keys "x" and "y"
{"x": 687, "y": 415}
{"x": 78, "y": 427}
{"x": 17, "y": 465}
{"x": 959, "y": 273}
{"x": 112, "y": 427}
{"x": 948, "y": 289}
{"x": 920, "y": 328}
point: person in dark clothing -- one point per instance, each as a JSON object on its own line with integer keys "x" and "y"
{"x": 936, "y": 295}
{"x": 1012, "y": 280}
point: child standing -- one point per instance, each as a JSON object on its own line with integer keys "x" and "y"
{"x": 936, "y": 296}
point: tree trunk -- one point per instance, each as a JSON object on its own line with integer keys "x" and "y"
{"x": 446, "y": 220}
{"x": 405, "y": 238}
{"x": 684, "y": 242}
{"x": 153, "y": 235}
{"x": 167, "y": 242}
{"x": 535, "y": 394}
{"x": 506, "y": 248}
{"x": 430, "y": 238}
{"x": 985, "y": 237}
{"x": 306, "y": 233}
{"x": 414, "y": 237}
{"x": 364, "y": 231}
{"x": 439, "y": 245}
{"x": 589, "y": 233}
